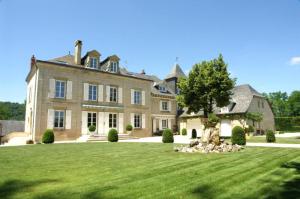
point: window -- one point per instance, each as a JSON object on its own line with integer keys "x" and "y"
{"x": 92, "y": 92}
{"x": 258, "y": 104}
{"x": 113, "y": 94}
{"x": 164, "y": 124}
{"x": 112, "y": 120}
{"x": 137, "y": 97}
{"x": 29, "y": 95}
{"x": 59, "y": 119}
{"x": 60, "y": 89}
{"x": 162, "y": 89}
{"x": 114, "y": 67}
{"x": 262, "y": 104}
{"x": 93, "y": 62}
{"x": 92, "y": 119}
{"x": 164, "y": 106}
{"x": 137, "y": 121}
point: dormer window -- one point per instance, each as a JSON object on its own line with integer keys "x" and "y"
{"x": 162, "y": 89}
{"x": 93, "y": 62}
{"x": 114, "y": 67}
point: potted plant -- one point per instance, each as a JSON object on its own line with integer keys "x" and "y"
{"x": 92, "y": 129}
{"x": 129, "y": 128}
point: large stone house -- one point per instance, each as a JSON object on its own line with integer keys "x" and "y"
{"x": 244, "y": 99}
{"x": 70, "y": 93}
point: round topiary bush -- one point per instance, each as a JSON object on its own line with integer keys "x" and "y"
{"x": 129, "y": 127}
{"x": 194, "y": 134}
{"x": 184, "y": 131}
{"x": 113, "y": 135}
{"x": 48, "y": 137}
{"x": 270, "y": 136}
{"x": 238, "y": 136}
{"x": 92, "y": 128}
{"x": 167, "y": 136}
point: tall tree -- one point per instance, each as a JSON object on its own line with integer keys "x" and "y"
{"x": 279, "y": 103}
{"x": 294, "y": 103}
{"x": 207, "y": 85}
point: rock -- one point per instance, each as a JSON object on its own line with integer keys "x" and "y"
{"x": 194, "y": 143}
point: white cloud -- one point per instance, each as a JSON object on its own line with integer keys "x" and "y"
{"x": 295, "y": 61}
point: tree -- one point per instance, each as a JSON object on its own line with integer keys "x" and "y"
{"x": 294, "y": 103}
{"x": 207, "y": 85}
{"x": 12, "y": 111}
{"x": 279, "y": 103}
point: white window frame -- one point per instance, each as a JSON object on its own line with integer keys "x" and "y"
{"x": 164, "y": 123}
{"x": 93, "y": 92}
{"x": 60, "y": 91}
{"x": 165, "y": 105}
{"x": 137, "y": 121}
{"x": 137, "y": 97}
{"x": 113, "y": 66}
{"x": 93, "y": 62}
{"x": 59, "y": 115}
{"x": 113, "y": 96}
{"x": 112, "y": 120}
{"x": 91, "y": 119}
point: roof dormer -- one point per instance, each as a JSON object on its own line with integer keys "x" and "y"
{"x": 111, "y": 64}
{"x": 92, "y": 59}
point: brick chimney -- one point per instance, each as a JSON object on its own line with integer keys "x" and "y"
{"x": 78, "y": 45}
{"x": 32, "y": 61}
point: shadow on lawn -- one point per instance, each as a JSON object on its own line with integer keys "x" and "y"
{"x": 11, "y": 187}
{"x": 204, "y": 191}
{"x": 291, "y": 188}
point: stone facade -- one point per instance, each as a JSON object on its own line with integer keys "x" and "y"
{"x": 68, "y": 97}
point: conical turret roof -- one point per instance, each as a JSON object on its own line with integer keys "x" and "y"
{"x": 176, "y": 72}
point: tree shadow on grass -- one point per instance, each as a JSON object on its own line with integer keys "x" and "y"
{"x": 11, "y": 187}
{"x": 291, "y": 188}
{"x": 204, "y": 191}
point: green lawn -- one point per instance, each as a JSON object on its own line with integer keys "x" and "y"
{"x": 289, "y": 140}
{"x": 144, "y": 170}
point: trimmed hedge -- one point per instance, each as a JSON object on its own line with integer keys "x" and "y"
{"x": 167, "y": 136}
{"x": 270, "y": 136}
{"x": 48, "y": 137}
{"x": 92, "y": 128}
{"x": 194, "y": 134}
{"x": 287, "y": 124}
{"x": 238, "y": 136}
{"x": 129, "y": 127}
{"x": 184, "y": 131}
{"x": 113, "y": 135}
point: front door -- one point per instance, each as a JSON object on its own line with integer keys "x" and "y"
{"x": 92, "y": 120}
{"x": 225, "y": 128}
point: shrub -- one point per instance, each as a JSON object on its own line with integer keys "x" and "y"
{"x": 113, "y": 135}
{"x": 29, "y": 142}
{"x": 238, "y": 136}
{"x": 183, "y": 131}
{"x": 129, "y": 127}
{"x": 194, "y": 134}
{"x": 167, "y": 136}
{"x": 270, "y": 136}
{"x": 48, "y": 137}
{"x": 212, "y": 120}
{"x": 92, "y": 128}
{"x": 291, "y": 124}
{"x": 250, "y": 129}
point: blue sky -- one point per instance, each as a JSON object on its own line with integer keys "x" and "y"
{"x": 260, "y": 40}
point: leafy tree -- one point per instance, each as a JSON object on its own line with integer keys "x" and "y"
{"x": 12, "y": 111}
{"x": 207, "y": 85}
{"x": 279, "y": 103}
{"x": 294, "y": 103}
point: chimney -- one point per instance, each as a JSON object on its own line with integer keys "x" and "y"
{"x": 78, "y": 45}
{"x": 143, "y": 72}
{"x": 32, "y": 61}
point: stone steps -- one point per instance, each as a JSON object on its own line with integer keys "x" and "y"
{"x": 97, "y": 138}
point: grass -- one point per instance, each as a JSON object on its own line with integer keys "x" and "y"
{"x": 146, "y": 170}
{"x": 287, "y": 140}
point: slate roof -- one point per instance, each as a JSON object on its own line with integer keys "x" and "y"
{"x": 240, "y": 101}
{"x": 176, "y": 72}
{"x": 67, "y": 59}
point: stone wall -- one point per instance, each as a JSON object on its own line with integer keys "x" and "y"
{"x": 8, "y": 126}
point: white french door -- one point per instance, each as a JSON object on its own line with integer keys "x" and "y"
{"x": 92, "y": 120}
